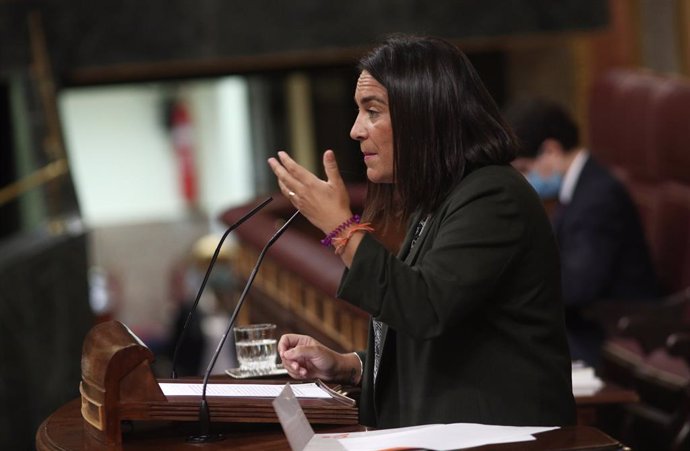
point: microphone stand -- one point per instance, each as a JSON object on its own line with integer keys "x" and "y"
{"x": 204, "y": 413}
{"x": 180, "y": 339}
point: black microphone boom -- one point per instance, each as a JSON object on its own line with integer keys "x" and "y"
{"x": 180, "y": 339}
{"x": 204, "y": 414}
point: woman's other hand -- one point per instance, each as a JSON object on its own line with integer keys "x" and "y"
{"x": 306, "y": 358}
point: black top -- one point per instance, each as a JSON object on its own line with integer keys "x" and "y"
{"x": 473, "y": 319}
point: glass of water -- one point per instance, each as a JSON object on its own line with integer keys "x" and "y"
{"x": 256, "y": 346}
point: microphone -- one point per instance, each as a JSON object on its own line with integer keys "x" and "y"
{"x": 204, "y": 414}
{"x": 183, "y": 333}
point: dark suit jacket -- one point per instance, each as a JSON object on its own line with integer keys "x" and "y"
{"x": 475, "y": 329}
{"x": 603, "y": 251}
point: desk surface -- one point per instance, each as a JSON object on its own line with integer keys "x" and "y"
{"x": 63, "y": 431}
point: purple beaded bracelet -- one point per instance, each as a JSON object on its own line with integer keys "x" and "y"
{"x": 327, "y": 241}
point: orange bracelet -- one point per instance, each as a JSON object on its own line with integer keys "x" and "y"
{"x": 340, "y": 242}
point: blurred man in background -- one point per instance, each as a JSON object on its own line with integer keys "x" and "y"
{"x": 604, "y": 253}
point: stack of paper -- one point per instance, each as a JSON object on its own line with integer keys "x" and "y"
{"x": 439, "y": 437}
{"x": 309, "y": 390}
{"x": 252, "y": 402}
{"x": 585, "y": 382}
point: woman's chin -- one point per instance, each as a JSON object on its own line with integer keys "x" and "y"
{"x": 376, "y": 177}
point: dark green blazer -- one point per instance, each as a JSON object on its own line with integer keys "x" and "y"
{"x": 474, "y": 319}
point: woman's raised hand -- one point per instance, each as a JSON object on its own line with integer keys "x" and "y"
{"x": 325, "y": 203}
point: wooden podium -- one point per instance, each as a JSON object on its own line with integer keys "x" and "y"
{"x": 63, "y": 431}
{"x": 118, "y": 384}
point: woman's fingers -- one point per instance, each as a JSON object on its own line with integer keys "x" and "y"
{"x": 293, "y": 179}
{"x": 286, "y": 181}
{"x": 293, "y": 365}
{"x": 296, "y": 171}
{"x": 289, "y": 341}
{"x": 298, "y": 364}
{"x": 304, "y": 357}
{"x": 330, "y": 166}
{"x": 325, "y": 203}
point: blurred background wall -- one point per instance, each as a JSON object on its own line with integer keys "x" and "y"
{"x": 127, "y": 127}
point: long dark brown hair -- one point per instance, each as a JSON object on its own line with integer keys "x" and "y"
{"x": 445, "y": 124}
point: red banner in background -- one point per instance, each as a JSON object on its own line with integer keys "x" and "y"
{"x": 181, "y": 130}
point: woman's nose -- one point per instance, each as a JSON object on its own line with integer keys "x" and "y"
{"x": 357, "y": 131}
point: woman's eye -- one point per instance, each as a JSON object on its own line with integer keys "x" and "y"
{"x": 372, "y": 113}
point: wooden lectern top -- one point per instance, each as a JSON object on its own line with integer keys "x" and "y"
{"x": 118, "y": 384}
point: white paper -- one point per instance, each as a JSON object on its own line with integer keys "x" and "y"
{"x": 331, "y": 442}
{"x": 292, "y": 419}
{"x": 439, "y": 437}
{"x": 309, "y": 390}
{"x": 585, "y": 381}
